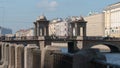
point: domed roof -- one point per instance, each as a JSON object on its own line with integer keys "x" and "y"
{"x": 81, "y": 18}
{"x": 42, "y": 17}
{"x": 77, "y": 18}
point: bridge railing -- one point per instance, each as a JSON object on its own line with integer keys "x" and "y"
{"x": 20, "y": 38}
{"x": 106, "y": 64}
{"x": 101, "y": 38}
{"x": 61, "y": 37}
{"x": 26, "y": 38}
{"x": 93, "y": 38}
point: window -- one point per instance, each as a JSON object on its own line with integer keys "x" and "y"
{"x": 65, "y": 24}
{"x": 112, "y": 30}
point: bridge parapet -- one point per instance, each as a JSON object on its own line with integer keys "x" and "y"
{"x": 93, "y": 38}
{"x": 26, "y": 38}
{"x": 101, "y": 38}
{"x": 19, "y": 38}
{"x": 59, "y": 38}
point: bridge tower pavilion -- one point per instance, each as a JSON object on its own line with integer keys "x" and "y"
{"x": 41, "y": 26}
{"x": 78, "y": 28}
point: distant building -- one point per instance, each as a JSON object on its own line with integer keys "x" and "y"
{"x": 59, "y": 27}
{"x": 10, "y": 35}
{"x": 106, "y": 23}
{"x": 52, "y": 25}
{"x": 20, "y": 33}
{"x": 30, "y": 32}
{"x": 4, "y": 31}
{"x": 63, "y": 27}
{"x": 27, "y": 32}
{"x": 95, "y": 25}
{"x": 112, "y": 20}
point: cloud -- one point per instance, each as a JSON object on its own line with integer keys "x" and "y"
{"x": 46, "y": 5}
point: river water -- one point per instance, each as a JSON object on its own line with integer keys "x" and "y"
{"x": 113, "y": 58}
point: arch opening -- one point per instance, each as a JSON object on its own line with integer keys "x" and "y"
{"x": 106, "y": 48}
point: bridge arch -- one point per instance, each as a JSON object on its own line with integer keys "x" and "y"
{"x": 101, "y": 47}
{"x": 111, "y": 47}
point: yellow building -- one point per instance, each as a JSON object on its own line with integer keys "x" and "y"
{"x": 106, "y": 23}
{"x": 112, "y": 20}
{"x": 95, "y": 24}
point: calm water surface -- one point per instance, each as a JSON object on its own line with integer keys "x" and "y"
{"x": 113, "y": 58}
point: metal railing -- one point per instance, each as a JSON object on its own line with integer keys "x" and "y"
{"x": 60, "y": 37}
{"x": 101, "y": 38}
{"x": 19, "y": 38}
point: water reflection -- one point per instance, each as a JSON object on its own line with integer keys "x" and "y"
{"x": 113, "y": 58}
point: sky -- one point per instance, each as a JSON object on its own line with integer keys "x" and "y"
{"x": 20, "y": 14}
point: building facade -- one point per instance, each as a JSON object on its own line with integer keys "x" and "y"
{"x": 4, "y": 31}
{"x": 52, "y": 26}
{"x": 27, "y": 32}
{"x": 66, "y": 27}
{"x": 59, "y": 27}
{"x": 95, "y": 25}
{"x": 106, "y": 23}
{"x": 62, "y": 29}
{"x": 112, "y": 21}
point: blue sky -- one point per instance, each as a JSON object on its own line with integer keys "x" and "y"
{"x": 20, "y": 14}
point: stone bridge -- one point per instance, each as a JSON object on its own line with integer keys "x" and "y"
{"x": 79, "y": 42}
{"x": 112, "y": 43}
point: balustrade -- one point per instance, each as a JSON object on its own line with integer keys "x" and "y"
{"x": 105, "y": 64}
{"x": 59, "y": 37}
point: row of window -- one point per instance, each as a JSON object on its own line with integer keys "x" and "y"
{"x": 113, "y": 28}
{"x": 115, "y": 31}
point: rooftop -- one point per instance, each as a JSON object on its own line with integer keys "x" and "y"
{"x": 112, "y": 6}
{"x": 42, "y": 18}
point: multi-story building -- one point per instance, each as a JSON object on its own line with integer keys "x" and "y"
{"x": 59, "y": 27}
{"x": 30, "y": 32}
{"x": 52, "y": 25}
{"x": 27, "y": 32}
{"x": 112, "y": 21}
{"x": 20, "y": 33}
{"x": 95, "y": 25}
{"x": 4, "y": 31}
{"x": 63, "y": 27}
{"x": 106, "y": 23}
